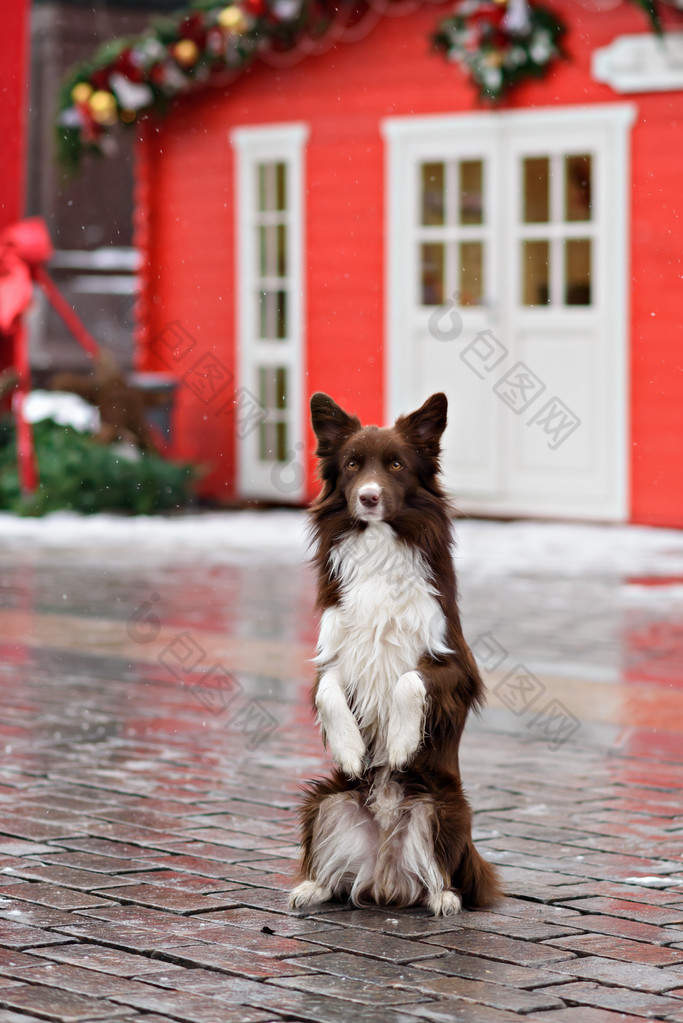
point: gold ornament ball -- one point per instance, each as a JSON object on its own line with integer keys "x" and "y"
{"x": 494, "y": 59}
{"x": 103, "y": 106}
{"x": 233, "y": 19}
{"x": 186, "y": 52}
{"x": 127, "y": 116}
{"x": 81, "y": 93}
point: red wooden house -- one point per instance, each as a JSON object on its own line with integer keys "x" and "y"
{"x": 357, "y": 222}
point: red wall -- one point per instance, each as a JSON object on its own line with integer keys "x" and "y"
{"x": 186, "y": 188}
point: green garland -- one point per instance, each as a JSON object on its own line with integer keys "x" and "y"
{"x": 497, "y": 43}
{"x": 128, "y": 78}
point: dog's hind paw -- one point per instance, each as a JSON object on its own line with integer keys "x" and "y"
{"x": 445, "y": 903}
{"x": 308, "y": 893}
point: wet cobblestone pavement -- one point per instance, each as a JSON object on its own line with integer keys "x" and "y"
{"x": 156, "y": 730}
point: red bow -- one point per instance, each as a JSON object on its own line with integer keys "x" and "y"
{"x": 23, "y": 248}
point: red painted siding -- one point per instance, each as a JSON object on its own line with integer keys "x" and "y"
{"x": 186, "y": 186}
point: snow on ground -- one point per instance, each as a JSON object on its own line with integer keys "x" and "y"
{"x": 487, "y": 548}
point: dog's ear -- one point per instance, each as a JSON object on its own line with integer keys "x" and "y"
{"x": 331, "y": 424}
{"x": 425, "y": 426}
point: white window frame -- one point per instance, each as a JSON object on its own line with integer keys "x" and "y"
{"x": 283, "y": 482}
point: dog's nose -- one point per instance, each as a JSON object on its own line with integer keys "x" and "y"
{"x": 369, "y": 497}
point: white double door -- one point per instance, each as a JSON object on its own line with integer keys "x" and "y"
{"x": 507, "y": 289}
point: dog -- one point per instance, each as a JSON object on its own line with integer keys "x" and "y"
{"x": 395, "y": 677}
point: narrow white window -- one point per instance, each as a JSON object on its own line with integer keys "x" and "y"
{"x": 269, "y": 205}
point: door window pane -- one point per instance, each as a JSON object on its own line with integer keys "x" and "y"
{"x": 272, "y": 187}
{"x": 273, "y": 387}
{"x": 433, "y": 207}
{"x": 274, "y": 399}
{"x": 272, "y": 315}
{"x": 281, "y": 258}
{"x": 471, "y": 273}
{"x": 578, "y": 271}
{"x": 471, "y": 193}
{"x": 273, "y": 441}
{"x": 577, "y": 188}
{"x": 535, "y": 273}
{"x": 536, "y": 190}
{"x": 431, "y": 275}
{"x": 280, "y": 186}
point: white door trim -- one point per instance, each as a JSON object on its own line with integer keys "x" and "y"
{"x": 272, "y": 480}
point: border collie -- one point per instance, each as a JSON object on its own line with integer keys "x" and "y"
{"x": 395, "y": 679}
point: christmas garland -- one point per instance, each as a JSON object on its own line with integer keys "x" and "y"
{"x": 207, "y": 43}
{"x": 497, "y": 42}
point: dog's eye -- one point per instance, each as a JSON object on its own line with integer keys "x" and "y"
{"x": 352, "y": 463}
{"x": 397, "y": 464}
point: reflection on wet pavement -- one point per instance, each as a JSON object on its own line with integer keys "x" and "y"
{"x": 156, "y": 730}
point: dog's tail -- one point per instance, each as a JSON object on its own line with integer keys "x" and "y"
{"x": 477, "y": 879}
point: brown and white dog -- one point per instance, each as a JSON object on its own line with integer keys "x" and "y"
{"x": 395, "y": 679}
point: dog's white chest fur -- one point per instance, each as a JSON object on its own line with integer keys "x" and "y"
{"x": 388, "y": 617}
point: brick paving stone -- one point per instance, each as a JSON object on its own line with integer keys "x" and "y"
{"x": 19, "y": 936}
{"x": 622, "y": 974}
{"x": 86, "y": 982}
{"x": 204, "y": 866}
{"x": 51, "y": 895}
{"x": 404, "y": 924}
{"x": 158, "y": 896}
{"x": 106, "y": 847}
{"x": 12, "y": 961}
{"x": 498, "y": 996}
{"x": 630, "y": 929}
{"x": 362, "y": 969}
{"x": 371, "y": 943}
{"x": 513, "y": 927}
{"x": 580, "y": 1014}
{"x": 34, "y": 915}
{"x": 639, "y": 911}
{"x": 237, "y": 961}
{"x": 272, "y": 945}
{"x": 347, "y": 988}
{"x": 98, "y": 863}
{"x": 23, "y": 827}
{"x": 494, "y": 946}
{"x": 310, "y": 1008}
{"x": 617, "y": 998}
{"x": 191, "y": 1008}
{"x": 102, "y": 959}
{"x": 70, "y": 877}
{"x": 64, "y": 1006}
{"x": 21, "y": 847}
{"x": 183, "y": 882}
{"x": 286, "y": 925}
{"x": 7, "y": 1016}
{"x": 473, "y": 967}
{"x": 462, "y": 1012}
{"x": 619, "y": 948}
{"x": 136, "y": 939}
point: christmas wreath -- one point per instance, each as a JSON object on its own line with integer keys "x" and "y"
{"x": 499, "y": 43}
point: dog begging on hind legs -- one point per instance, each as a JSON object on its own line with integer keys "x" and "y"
{"x": 396, "y": 679}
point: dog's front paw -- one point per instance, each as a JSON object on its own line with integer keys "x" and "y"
{"x": 348, "y": 749}
{"x": 445, "y": 903}
{"x": 308, "y": 893}
{"x": 406, "y": 720}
